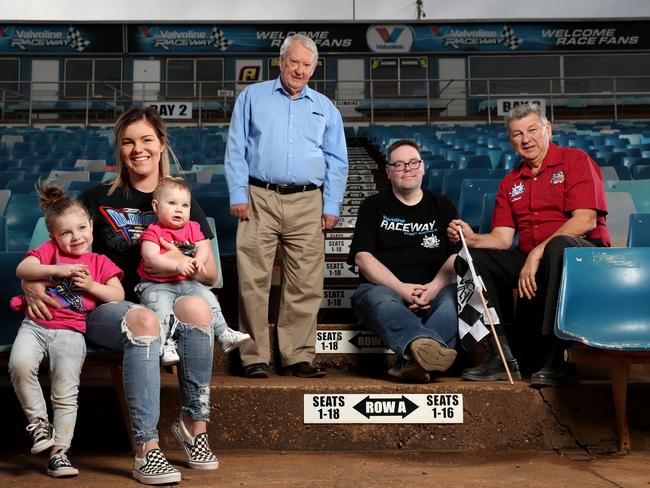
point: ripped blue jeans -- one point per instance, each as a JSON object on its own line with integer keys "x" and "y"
{"x": 160, "y": 298}
{"x": 106, "y": 328}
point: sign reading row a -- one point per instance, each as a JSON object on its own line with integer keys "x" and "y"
{"x": 383, "y": 408}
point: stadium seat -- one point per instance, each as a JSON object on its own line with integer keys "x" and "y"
{"x": 640, "y": 171}
{"x": 4, "y": 199}
{"x": 620, "y": 206}
{"x": 7, "y": 176}
{"x": 39, "y": 235}
{"x": 10, "y": 320}
{"x": 617, "y": 331}
{"x": 470, "y": 205}
{"x": 487, "y": 209}
{"x": 218, "y": 207}
{"x": 21, "y": 213}
{"x": 433, "y": 179}
{"x": 453, "y": 179}
{"x": 639, "y": 230}
{"x": 638, "y": 189}
{"x": 3, "y": 234}
{"x": 21, "y": 187}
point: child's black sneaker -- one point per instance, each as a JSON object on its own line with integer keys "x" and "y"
{"x": 43, "y": 434}
{"x": 60, "y": 466}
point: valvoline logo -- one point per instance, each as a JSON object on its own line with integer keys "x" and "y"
{"x": 389, "y": 38}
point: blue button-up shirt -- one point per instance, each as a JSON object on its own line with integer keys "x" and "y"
{"x": 280, "y": 140}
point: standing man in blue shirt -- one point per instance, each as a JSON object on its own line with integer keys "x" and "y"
{"x": 286, "y": 168}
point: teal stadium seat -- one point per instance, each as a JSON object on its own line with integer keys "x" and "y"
{"x": 470, "y": 204}
{"x": 639, "y": 230}
{"x": 453, "y": 180}
{"x": 21, "y": 213}
{"x": 10, "y": 320}
{"x": 617, "y": 331}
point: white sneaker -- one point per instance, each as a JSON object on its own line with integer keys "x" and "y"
{"x": 232, "y": 339}
{"x": 169, "y": 355}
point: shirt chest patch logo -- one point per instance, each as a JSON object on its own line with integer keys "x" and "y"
{"x": 557, "y": 178}
{"x": 517, "y": 190}
{"x": 431, "y": 242}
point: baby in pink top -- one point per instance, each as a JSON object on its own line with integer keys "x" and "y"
{"x": 164, "y": 279}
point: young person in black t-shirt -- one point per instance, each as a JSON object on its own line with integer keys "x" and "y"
{"x": 407, "y": 293}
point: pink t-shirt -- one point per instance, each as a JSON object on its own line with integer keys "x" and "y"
{"x": 184, "y": 239}
{"x": 75, "y": 304}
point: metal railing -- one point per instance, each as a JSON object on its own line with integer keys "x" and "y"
{"x": 363, "y": 101}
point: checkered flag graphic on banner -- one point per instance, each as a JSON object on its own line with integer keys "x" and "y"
{"x": 75, "y": 40}
{"x": 510, "y": 39}
{"x": 472, "y": 322}
{"x": 219, "y": 39}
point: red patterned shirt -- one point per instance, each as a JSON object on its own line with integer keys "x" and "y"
{"x": 537, "y": 205}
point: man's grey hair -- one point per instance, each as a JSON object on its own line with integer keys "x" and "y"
{"x": 524, "y": 110}
{"x": 306, "y": 41}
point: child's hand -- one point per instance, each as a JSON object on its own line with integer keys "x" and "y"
{"x": 199, "y": 267}
{"x": 82, "y": 279}
{"x": 67, "y": 270}
{"x": 186, "y": 266}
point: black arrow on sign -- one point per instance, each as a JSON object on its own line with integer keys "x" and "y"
{"x": 385, "y": 407}
{"x": 356, "y": 341}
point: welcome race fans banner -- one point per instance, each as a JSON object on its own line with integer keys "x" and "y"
{"x": 217, "y": 38}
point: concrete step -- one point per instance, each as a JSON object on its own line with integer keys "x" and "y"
{"x": 270, "y": 414}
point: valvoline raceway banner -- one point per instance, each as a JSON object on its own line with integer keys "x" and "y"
{"x": 72, "y": 38}
{"x": 503, "y": 37}
{"x": 387, "y": 38}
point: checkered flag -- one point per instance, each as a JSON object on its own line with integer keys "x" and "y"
{"x": 510, "y": 39}
{"x": 219, "y": 39}
{"x": 472, "y": 322}
{"x": 75, "y": 40}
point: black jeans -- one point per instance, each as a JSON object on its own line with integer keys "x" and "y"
{"x": 500, "y": 271}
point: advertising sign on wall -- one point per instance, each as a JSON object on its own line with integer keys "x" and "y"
{"x": 61, "y": 39}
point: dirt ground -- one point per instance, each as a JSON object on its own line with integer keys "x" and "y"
{"x": 338, "y": 470}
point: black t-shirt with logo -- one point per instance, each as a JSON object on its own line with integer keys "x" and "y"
{"x": 118, "y": 223}
{"x": 411, "y": 241}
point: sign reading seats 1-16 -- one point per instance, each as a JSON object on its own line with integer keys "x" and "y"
{"x": 384, "y": 408}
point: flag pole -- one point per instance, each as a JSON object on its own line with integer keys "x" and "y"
{"x": 496, "y": 337}
{"x": 479, "y": 288}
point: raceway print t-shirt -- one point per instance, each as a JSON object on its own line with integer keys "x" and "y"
{"x": 118, "y": 223}
{"x": 411, "y": 241}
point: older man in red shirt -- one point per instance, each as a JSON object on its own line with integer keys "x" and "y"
{"x": 554, "y": 199}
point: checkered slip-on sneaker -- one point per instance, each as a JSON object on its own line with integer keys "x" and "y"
{"x": 154, "y": 469}
{"x": 197, "y": 450}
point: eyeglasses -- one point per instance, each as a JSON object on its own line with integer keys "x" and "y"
{"x": 402, "y": 165}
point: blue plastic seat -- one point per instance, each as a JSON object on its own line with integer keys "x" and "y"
{"x": 3, "y": 234}
{"x": 21, "y": 213}
{"x": 10, "y": 320}
{"x": 639, "y": 230}
{"x": 617, "y": 330}
{"x": 218, "y": 207}
{"x": 21, "y": 187}
{"x": 487, "y": 209}
{"x": 452, "y": 182}
{"x": 470, "y": 205}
